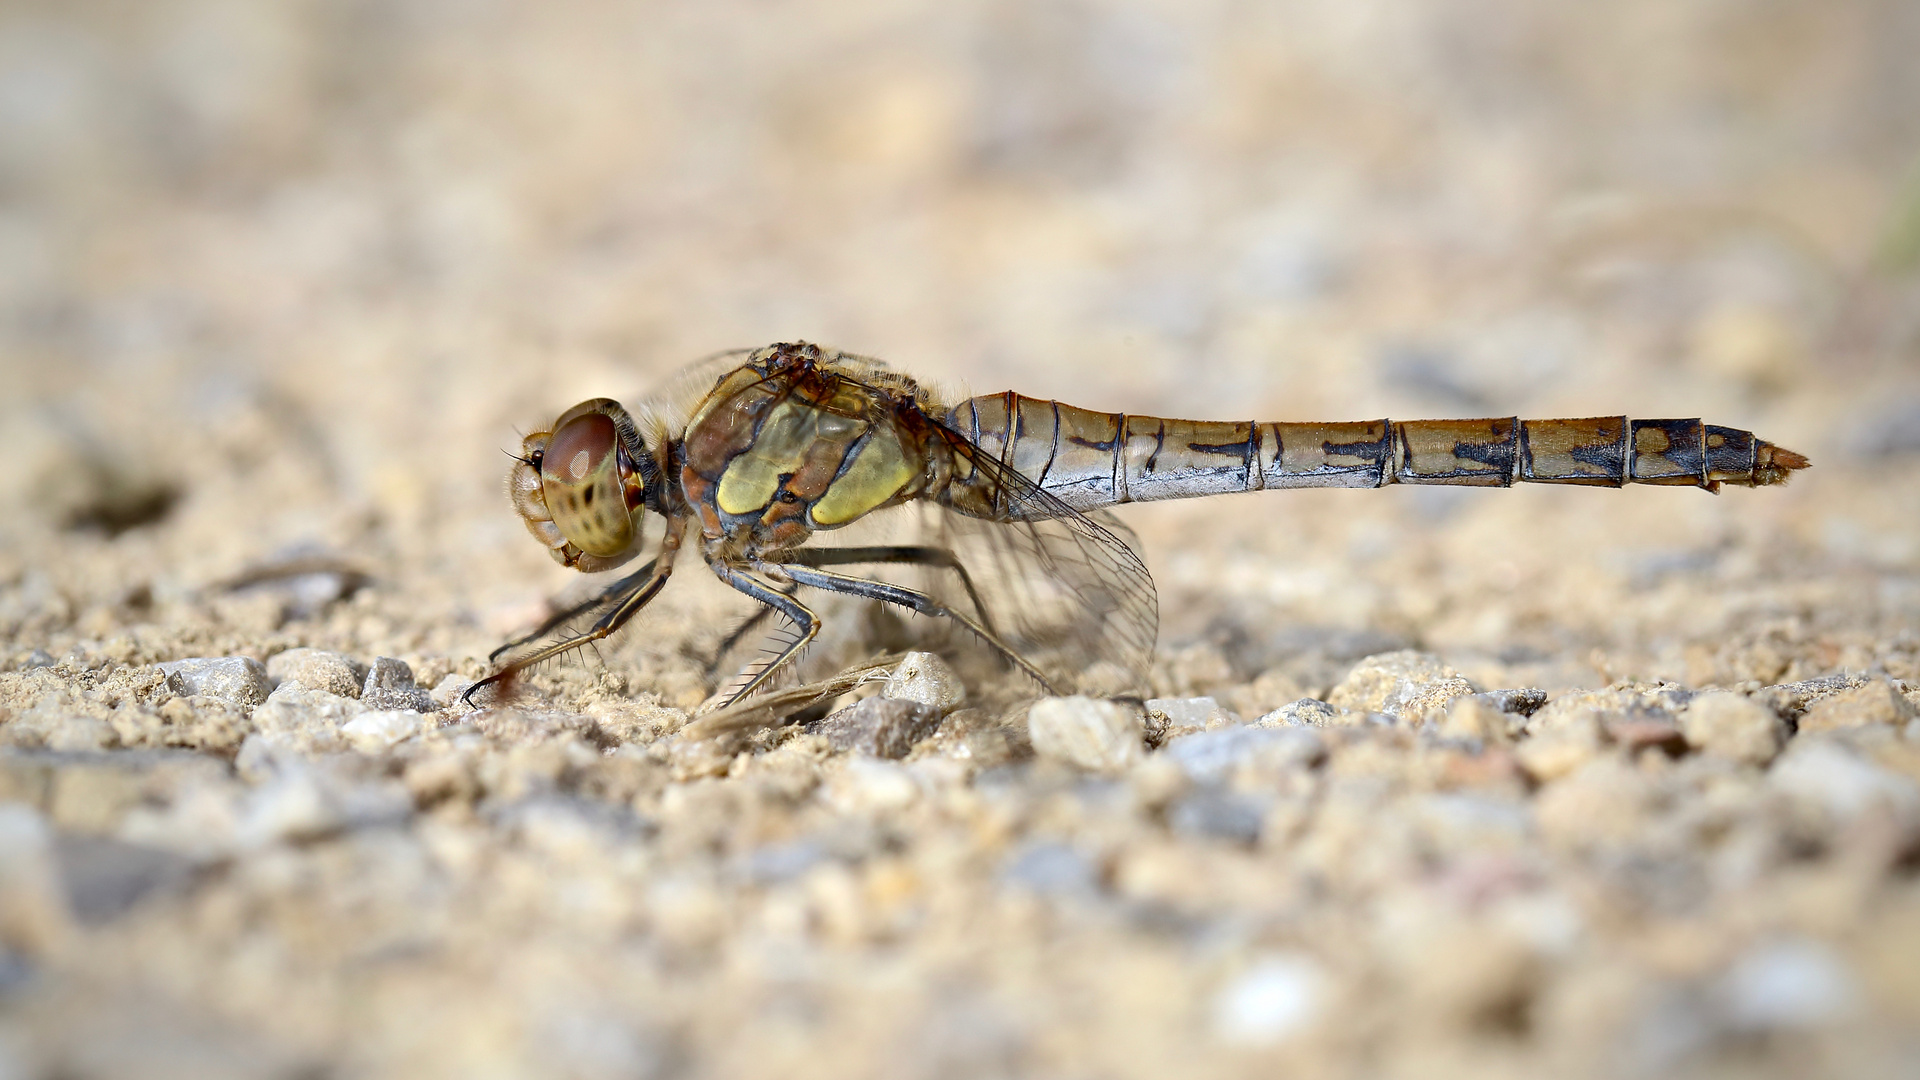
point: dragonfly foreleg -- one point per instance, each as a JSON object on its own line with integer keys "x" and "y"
{"x": 613, "y": 593}
{"x": 916, "y": 554}
{"x": 613, "y": 620}
{"x": 802, "y": 618}
{"x": 888, "y": 593}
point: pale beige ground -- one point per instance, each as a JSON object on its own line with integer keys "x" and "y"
{"x": 282, "y": 280}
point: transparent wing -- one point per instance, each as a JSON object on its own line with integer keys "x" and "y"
{"x": 1067, "y": 588}
{"x": 1061, "y": 589}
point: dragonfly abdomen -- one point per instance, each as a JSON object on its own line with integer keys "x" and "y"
{"x": 1092, "y": 459}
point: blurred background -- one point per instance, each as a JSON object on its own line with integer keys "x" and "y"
{"x": 280, "y": 280}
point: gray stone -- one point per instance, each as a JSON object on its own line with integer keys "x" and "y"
{"x": 238, "y": 679}
{"x": 881, "y": 726}
{"x": 1092, "y": 733}
{"x": 1521, "y": 702}
{"x": 1051, "y": 868}
{"x": 1792, "y": 699}
{"x": 1876, "y": 702}
{"x": 1219, "y": 814}
{"x": 389, "y": 686}
{"x": 105, "y": 878}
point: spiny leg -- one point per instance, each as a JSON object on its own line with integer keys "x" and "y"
{"x": 626, "y": 584}
{"x": 737, "y": 635}
{"x": 604, "y": 627}
{"x": 802, "y": 618}
{"x": 913, "y": 601}
{"x": 917, "y": 554}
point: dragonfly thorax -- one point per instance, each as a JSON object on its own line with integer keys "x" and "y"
{"x": 783, "y": 448}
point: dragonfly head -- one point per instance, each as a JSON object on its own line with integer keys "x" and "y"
{"x": 581, "y": 487}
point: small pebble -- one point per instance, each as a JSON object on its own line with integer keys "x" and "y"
{"x": 1405, "y": 685}
{"x": 1786, "y": 985}
{"x": 380, "y": 730}
{"x": 1278, "y": 997}
{"x": 1835, "y": 785}
{"x": 311, "y": 718}
{"x": 238, "y": 679}
{"x": 1307, "y": 712}
{"x": 1733, "y": 727}
{"x": 881, "y": 726}
{"x": 1093, "y": 733}
{"x": 1522, "y": 702}
{"x": 927, "y": 679}
{"x": 447, "y": 691}
{"x": 1189, "y": 712}
{"x": 293, "y": 806}
{"x": 318, "y": 669}
{"x": 870, "y": 786}
{"x": 1876, "y": 702}
{"x": 389, "y": 685}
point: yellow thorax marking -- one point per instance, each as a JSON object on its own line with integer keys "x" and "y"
{"x": 753, "y": 477}
{"x": 877, "y": 473}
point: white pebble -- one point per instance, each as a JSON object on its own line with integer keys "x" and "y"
{"x": 873, "y": 786}
{"x": 373, "y": 732}
{"x": 1272, "y": 1001}
{"x": 293, "y": 806}
{"x": 1092, "y": 733}
{"x": 1786, "y": 984}
{"x": 239, "y": 679}
{"x": 927, "y": 679}
{"x": 1189, "y": 711}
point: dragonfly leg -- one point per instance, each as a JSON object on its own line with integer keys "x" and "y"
{"x": 614, "y": 593}
{"x": 602, "y": 628}
{"x": 802, "y": 618}
{"x": 917, "y": 554}
{"x": 737, "y": 635}
{"x": 913, "y": 601}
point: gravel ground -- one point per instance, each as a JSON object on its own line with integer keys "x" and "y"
{"x": 1434, "y": 782}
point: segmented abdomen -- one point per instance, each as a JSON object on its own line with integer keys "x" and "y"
{"x": 1091, "y": 459}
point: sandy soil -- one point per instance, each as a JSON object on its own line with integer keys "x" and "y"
{"x": 282, "y": 280}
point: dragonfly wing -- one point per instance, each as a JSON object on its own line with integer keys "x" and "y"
{"x": 1065, "y": 591}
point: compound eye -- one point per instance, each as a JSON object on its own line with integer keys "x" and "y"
{"x": 585, "y": 492}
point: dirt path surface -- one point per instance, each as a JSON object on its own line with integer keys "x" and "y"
{"x": 1435, "y": 782}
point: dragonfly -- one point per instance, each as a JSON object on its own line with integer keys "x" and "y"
{"x": 761, "y": 457}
